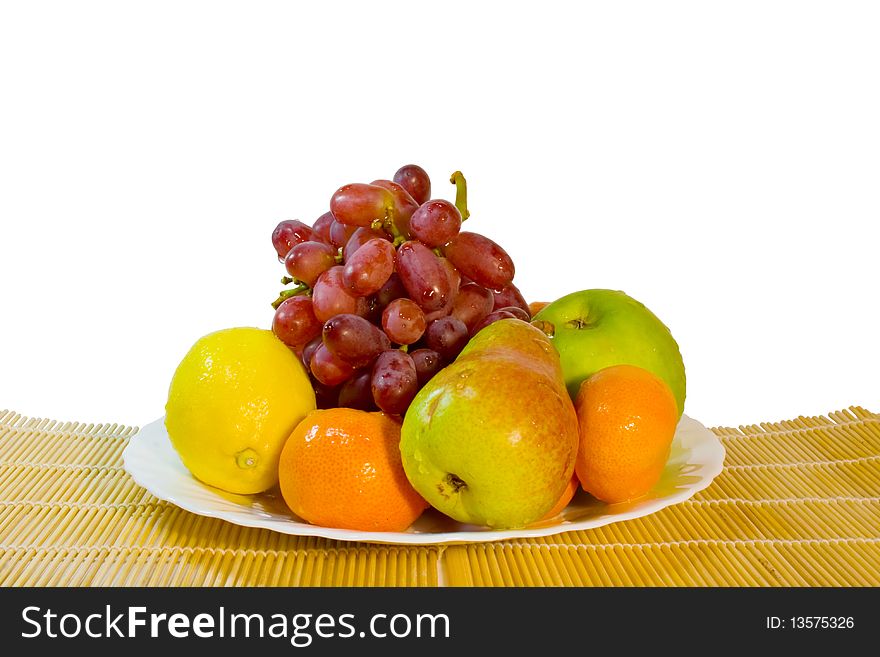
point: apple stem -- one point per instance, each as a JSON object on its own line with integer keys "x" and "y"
{"x": 292, "y": 292}
{"x": 460, "y": 183}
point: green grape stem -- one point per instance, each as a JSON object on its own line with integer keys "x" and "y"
{"x": 460, "y": 183}
{"x": 292, "y": 292}
{"x": 286, "y": 280}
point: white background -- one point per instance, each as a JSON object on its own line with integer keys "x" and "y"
{"x": 718, "y": 161}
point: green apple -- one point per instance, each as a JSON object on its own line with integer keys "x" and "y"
{"x": 594, "y": 329}
{"x": 492, "y": 438}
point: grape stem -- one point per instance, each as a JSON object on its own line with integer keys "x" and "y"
{"x": 286, "y": 294}
{"x": 286, "y": 280}
{"x": 460, "y": 183}
{"x": 387, "y": 224}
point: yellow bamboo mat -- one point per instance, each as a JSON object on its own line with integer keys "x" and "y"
{"x": 798, "y": 504}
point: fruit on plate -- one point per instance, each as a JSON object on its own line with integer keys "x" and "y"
{"x": 492, "y": 438}
{"x": 594, "y": 329}
{"x": 233, "y": 401}
{"x": 438, "y": 382}
{"x": 341, "y": 468}
{"x": 627, "y": 418}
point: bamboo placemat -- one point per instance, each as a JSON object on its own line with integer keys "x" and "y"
{"x": 798, "y": 504}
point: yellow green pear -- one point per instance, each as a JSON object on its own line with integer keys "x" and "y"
{"x": 234, "y": 400}
{"x": 492, "y": 438}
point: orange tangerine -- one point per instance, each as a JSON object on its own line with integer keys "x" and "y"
{"x": 341, "y": 468}
{"x": 627, "y": 418}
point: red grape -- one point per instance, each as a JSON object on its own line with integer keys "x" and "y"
{"x": 360, "y": 237}
{"x": 322, "y": 226}
{"x": 481, "y": 260}
{"x": 354, "y": 339}
{"x": 517, "y": 312}
{"x": 510, "y": 295}
{"x": 394, "y": 382}
{"x": 309, "y": 350}
{"x": 357, "y": 392}
{"x": 404, "y": 205}
{"x": 358, "y": 204}
{"x": 403, "y": 321}
{"x": 472, "y": 304}
{"x": 369, "y": 268}
{"x": 447, "y": 336}
{"x": 392, "y": 290}
{"x": 452, "y": 274}
{"x": 454, "y": 279}
{"x": 340, "y": 234}
{"x": 308, "y": 260}
{"x": 295, "y": 322}
{"x": 288, "y": 234}
{"x": 492, "y": 317}
{"x": 328, "y": 369}
{"x": 423, "y": 275}
{"x": 415, "y": 180}
{"x": 435, "y": 223}
{"x": 330, "y": 296}
{"x": 427, "y": 362}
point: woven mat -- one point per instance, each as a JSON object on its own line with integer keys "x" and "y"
{"x": 798, "y": 504}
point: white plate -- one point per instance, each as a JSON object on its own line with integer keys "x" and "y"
{"x": 696, "y": 458}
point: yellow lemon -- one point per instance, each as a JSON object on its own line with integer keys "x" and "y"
{"x": 234, "y": 399}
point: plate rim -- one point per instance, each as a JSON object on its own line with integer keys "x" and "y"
{"x": 711, "y": 468}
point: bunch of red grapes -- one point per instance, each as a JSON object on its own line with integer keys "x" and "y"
{"x": 389, "y": 290}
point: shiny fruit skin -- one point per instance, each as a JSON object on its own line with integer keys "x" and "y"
{"x": 233, "y": 400}
{"x": 295, "y": 323}
{"x": 414, "y": 179}
{"x": 369, "y": 268}
{"x": 358, "y": 204}
{"x": 341, "y": 468}
{"x": 481, "y": 260}
{"x": 394, "y": 382}
{"x": 308, "y": 260}
{"x": 423, "y": 275}
{"x": 331, "y": 296}
{"x": 354, "y": 339}
{"x": 627, "y": 418}
{"x": 435, "y": 223}
{"x": 288, "y": 234}
{"x": 403, "y": 321}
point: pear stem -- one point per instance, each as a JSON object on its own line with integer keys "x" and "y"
{"x": 460, "y": 183}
